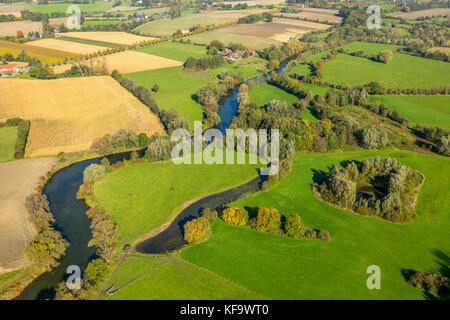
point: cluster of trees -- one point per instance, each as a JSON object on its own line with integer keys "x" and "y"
{"x": 270, "y": 220}
{"x": 430, "y": 283}
{"x": 92, "y": 67}
{"x": 438, "y": 136}
{"x": 105, "y": 234}
{"x": 209, "y": 95}
{"x": 289, "y": 84}
{"x": 282, "y": 52}
{"x": 48, "y": 246}
{"x": 382, "y": 110}
{"x": 40, "y": 71}
{"x": 120, "y": 26}
{"x": 253, "y": 18}
{"x": 123, "y": 139}
{"x": 211, "y": 62}
{"x": 376, "y": 187}
{"x": 385, "y": 56}
{"x": 197, "y": 230}
{"x": 159, "y": 149}
{"x": 23, "y": 128}
{"x": 169, "y": 118}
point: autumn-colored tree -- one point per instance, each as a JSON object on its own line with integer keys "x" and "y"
{"x": 268, "y": 220}
{"x": 95, "y": 271}
{"x": 235, "y": 215}
{"x": 293, "y": 226}
{"x": 197, "y": 230}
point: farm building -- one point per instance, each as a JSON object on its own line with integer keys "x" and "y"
{"x": 8, "y": 70}
{"x": 237, "y": 55}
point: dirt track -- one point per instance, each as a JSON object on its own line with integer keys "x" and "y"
{"x": 19, "y": 179}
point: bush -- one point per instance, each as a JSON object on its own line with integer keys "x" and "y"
{"x": 235, "y": 215}
{"x": 93, "y": 173}
{"x": 197, "y": 230}
{"x": 143, "y": 140}
{"x": 431, "y": 283}
{"x": 372, "y": 138}
{"x": 268, "y": 220}
{"x": 209, "y": 214}
{"x": 293, "y": 226}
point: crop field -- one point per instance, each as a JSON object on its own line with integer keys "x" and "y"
{"x": 129, "y": 62}
{"x": 279, "y": 29}
{"x": 96, "y": 22}
{"x": 14, "y": 10}
{"x": 19, "y": 179}
{"x": 404, "y": 71}
{"x": 8, "y": 136}
{"x": 425, "y": 110}
{"x": 90, "y": 42}
{"x": 152, "y": 193}
{"x": 253, "y": 42}
{"x": 67, "y": 115}
{"x": 11, "y": 28}
{"x": 422, "y": 13}
{"x": 328, "y": 15}
{"x": 165, "y": 27}
{"x": 107, "y": 36}
{"x": 176, "y": 90}
{"x": 283, "y": 268}
{"x": 175, "y": 50}
{"x": 171, "y": 278}
{"x": 45, "y": 55}
{"x": 68, "y": 46}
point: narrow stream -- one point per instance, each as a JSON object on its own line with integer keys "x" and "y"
{"x": 74, "y": 225}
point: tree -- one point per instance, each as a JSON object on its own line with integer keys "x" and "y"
{"x": 197, "y": 230}
{"x": 235, "y": 215}
{"x": 293, "y": 226}
{"x": 95, "y": 271}
{"x": 209, "y": 214}
{"x": 268, "y": 220}
{"x": 93, "y": 173}
{"x": 46, "y": 249}
{"x": 385, "y": 56}
{"x": 155, "y": 88}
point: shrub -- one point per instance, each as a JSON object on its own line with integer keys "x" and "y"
{"x": 235, "y": 215}
{"x": 372, "y": 138}
{"x": 209, "y": 214}
{"x": 93, "y": 173}
{"x": 268, "y": 220}
{"x": 143, "y": 140}
{"x": 293, "y": 226}
{"x": 431, "y": 283}
{"x": 197, "y": 230}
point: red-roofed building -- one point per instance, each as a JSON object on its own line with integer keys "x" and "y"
{"x": 251, "y": 52}
{"x": 7, "y": 70}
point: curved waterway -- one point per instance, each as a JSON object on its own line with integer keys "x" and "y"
{"x": 74, "y": 225}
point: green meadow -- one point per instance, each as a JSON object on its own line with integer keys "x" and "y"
{"x": 8, "y": 137}
{"x": 282, "y": 268}
{"x": 368, "y": 48}
{"x": 96, "y": 22}
{"x": 89, "y": 41}
{"x": 142, "y": 197}
{"x": 404, "y": 71}
{"x": 170, "y": 277}
{"x": 264, "y": 93}
{"x": 425, "y": 110}
{"x": 62, "y": 7}
{"x": 176, "y": 90}
{"x": 175, "y": 50}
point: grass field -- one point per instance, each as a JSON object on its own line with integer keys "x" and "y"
{"x": 8, "y": 137}
{"x": 62, "y": 7}
{"x": 91, "y": 42}
{"x": 165, "y": 27}
{"x": 176, "y": 90}
{"x": 142, "y": 197}
{"x": 404, "y": 71}
{"x": 45, "y": 55}
{"x": 175, "y": 50}
{"x": 368, "y": 48}
{"x": 171, "y": 278}
{"x": 249, "y": 67}
{"x": 68, "y": 114}
{"x": 425, "y": 110}
{"x": 279, "y": 267}
{"x": 96, "y": 22}
{"x": 264, "y": 93}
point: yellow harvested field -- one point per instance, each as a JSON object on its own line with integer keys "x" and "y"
{"x": 422, "y": 13}
{"x": 130, "y": 61}
{"x": 19, "y": 180}
{"x": 68, "y": 114}
{"x": 329, "y": 15}
{"x": 11, "y": 28}
{"x": 106, "y": 36}
{"x": 68, "y": 46}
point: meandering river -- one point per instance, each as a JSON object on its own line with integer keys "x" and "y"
{"x": 74, "y": 225}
